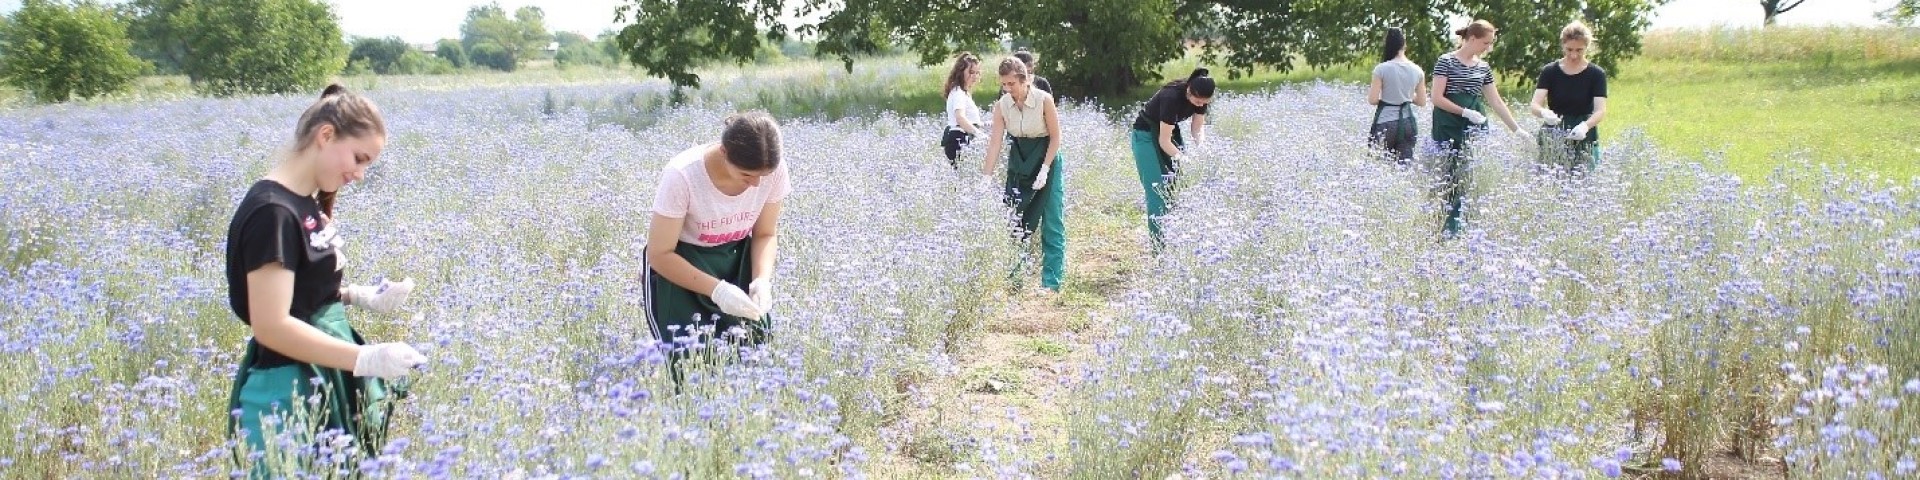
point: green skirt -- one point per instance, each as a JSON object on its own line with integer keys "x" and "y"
{"x": 684, "y": 318}
{"x": 265, "y": 399}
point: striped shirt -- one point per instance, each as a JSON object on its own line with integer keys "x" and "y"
{"x": 1462, "y": 78}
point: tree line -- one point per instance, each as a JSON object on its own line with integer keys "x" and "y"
{"x": 61, "y": 49}
{"x": 58, "y": 50}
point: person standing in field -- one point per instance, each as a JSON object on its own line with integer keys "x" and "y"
{"x": 712, "y": 243}
{"x": 1571, "y": 99}
{"x": 1028, "y": 116}
{"x": 963, "y": 116}
{"x": 1466, "y": 86}
{"x": 285, "y": 267}
{"x": 1158, "y": 144}
{"x": 1397, "y": 87}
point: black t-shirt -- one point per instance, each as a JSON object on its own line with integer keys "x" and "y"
{"x": 1170, "y": 106}
{"x": 1570, "y": 95}
{"x": 275, "y": 225}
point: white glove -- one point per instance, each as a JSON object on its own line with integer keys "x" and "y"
{"x": 1473, "y": 116}
{"x": 384, "y": 298}
{"x": 387, "y": 360}
{"x": 762, "y": 292}
{"x": 1040, "y": 181}
{"x": 734, "y": 301}
{"x": 1549, "y": 118}
{"x": 1579, "y": 132}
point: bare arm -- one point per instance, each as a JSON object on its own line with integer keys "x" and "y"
{"x": 1441, "y": 101}
{"x": 766, "y": 240}
{"x": 662, "y": 236}
{"x": 995, "y": 141}
{"x": 269, "y": 298}
{"x": 1599, "y": 112}
{"x": 1053, "y": 135}
{"x": 1166, "y": 139}
{"x": 1492, "y": 92}
{"x": 1199, "y": 127}
{"x": 1373, "y": 92}
{"x": 1539, "y": 104}
{"x": 1420, "y": 93}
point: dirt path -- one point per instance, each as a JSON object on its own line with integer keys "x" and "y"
{"x": 1010, "y": 388}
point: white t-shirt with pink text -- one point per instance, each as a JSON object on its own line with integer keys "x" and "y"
{"x": 712, "y": 218}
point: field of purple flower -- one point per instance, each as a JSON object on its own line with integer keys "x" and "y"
{"x": 1303, "y": 321}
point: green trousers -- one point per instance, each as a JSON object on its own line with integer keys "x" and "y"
{"x": 683, "y": 317}
{"x": 1156, "y": 171}
{"x": 345, "y": 402}
{"x": 1042, "y": 210}
{"x": 1452, "y": 135}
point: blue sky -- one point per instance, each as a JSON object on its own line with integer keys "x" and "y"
{"x": 423, "y": 21}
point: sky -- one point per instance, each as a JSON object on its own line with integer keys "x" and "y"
{"x": 424, "y": 21}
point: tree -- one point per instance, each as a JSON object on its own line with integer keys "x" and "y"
{"x": 1774, "y": 8}
{"x": 533, "y": 32}
{"x": 258, "y": 46}
{"x": 577, "y": 49}
{"x": 520, "y": 38}
{"x": 378, "y": 54}
{"x": 1903, "y": 12}
{"x": 1101, "y": 47}
{"x": 492, "y": 56}
{"x": 150, "y": 26}
{"x": 450, "y": 50}
{"x": 59, "y": 51}
{"x": 670, "y": 37}
{"x": 1530, "y": 32}
{"x": 415, "y": 62}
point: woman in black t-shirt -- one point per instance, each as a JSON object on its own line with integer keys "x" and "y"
{"x": 1571, "y": 100}
{"x": 1157, "y": 142}
{"x": 284, "y": 274}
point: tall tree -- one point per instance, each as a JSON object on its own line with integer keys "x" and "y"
{"x": 669, "y": 38}
{"x": 59, "y": 50}
{"x": 506, "y": 42}
{"x": 150, "y": 26}
{"x": 1099, "y": 47}
{"x": 1902, "y": 12}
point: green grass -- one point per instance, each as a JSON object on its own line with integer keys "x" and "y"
{"x": 1755, "y": 98}
{"x": 1762, "y": 96}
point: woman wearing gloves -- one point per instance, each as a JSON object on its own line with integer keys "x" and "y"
{"x": 1157, "y": 141}
{"x": 1027, "y": 114}
{"x": 1467, "y": 87}
{"x": 1571, "y": 99}
{"x": 1396, "y": 85}
{"x": 284, "y": 273}
{"x": 715, "y": 224}
{"x": 963, "y": 116}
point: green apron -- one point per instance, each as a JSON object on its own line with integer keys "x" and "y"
{"x": 348, "y": 403}
{"x": 1156, "y": 169}
{"x": 1400, "y": 139}
{"x": 675, "y": 312}
{"x": 1042, "y": 210}
{"x": 1556, "y": 149}
{"x": 1451, "y": 133}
